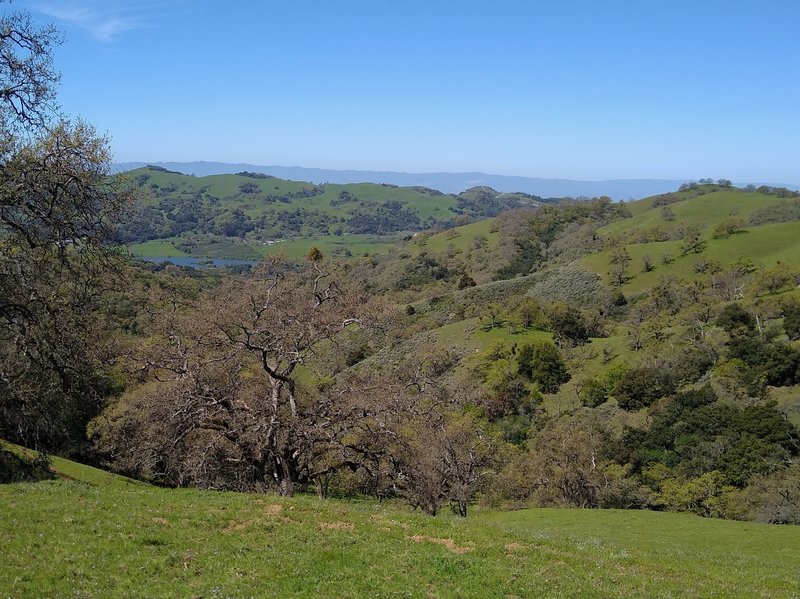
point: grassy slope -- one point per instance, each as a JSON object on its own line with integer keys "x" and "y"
{"x": 67, "y": 469}
{"x": 293, "y": 248}
{"x": 462, "y": 238}
{"x": 160, "y": 247}
{"x": 706, "y": 209}
{"x": 765, "y": 245}
{"x": 134, "y": 541}
{"x": 226, "y": 189}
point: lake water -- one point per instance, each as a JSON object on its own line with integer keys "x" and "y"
{"x": 197, "y": 262}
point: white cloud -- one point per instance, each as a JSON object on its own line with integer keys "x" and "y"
{"x": 104, "y": 19}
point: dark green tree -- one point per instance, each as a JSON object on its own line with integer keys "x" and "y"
{"x": 541, "y": 363}
{"x": 640, "y": 387}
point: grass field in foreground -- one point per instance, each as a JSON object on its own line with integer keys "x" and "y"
{"x": 70, "y": 538}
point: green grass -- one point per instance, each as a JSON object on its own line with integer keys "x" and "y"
{"x": 690, "y": 208}
{"x": 462, "y": 238}
{"x": 67, "y": 538}
{"x": 160, "y": 247}
{"x": 788, "y": 399}
{"x": 68, "y": 469}
{"x": 764, "y": 245}
{"x": 225, "y": 188}
{"x": 471, "y": 336}
{"x": 220, "y": 247}
{"x": 357, "y": 245}
{"x": 224, "y": 194}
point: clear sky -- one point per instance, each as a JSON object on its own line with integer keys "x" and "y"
{"x": 582, "y": 89}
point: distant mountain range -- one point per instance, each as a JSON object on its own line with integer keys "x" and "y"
{"x": 618, "y": 189}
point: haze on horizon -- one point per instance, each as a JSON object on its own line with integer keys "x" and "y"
{"x": 573, "y": 89}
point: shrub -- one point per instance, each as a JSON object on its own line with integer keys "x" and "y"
{"x": 775, "y": 498}
{"x": 249, "y": 188}
{"x": 540, "y": 362}
{"x": 568, "y": 323}
{"x": 593, "y": 392}
{"x": 791, "y": 319}
{"x": 640, "y": 387}
{"x": 733, "y": 317}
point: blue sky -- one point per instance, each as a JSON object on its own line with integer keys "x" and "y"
{"x": 582, "y": 89}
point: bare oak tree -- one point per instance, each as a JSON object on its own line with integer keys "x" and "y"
{"x": 220, "y": 384}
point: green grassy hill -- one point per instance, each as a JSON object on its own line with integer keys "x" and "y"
{"x": 658, "y": 237}
{"x": 247, "y": 215}
{"x": 764, "y": 246}
{"x": 70, "y": 538}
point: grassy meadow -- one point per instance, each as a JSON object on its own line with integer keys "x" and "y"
{"x": 356, "y": 245}
{"x": 96, "y": 535}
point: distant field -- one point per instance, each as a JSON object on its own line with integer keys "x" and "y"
{"x": 331, "y": 245}
{"x": 70, "y": 538}
{"x": 156, "y": 248}
{"x": 209, "y": 216}
{"x": 356, "y": 245}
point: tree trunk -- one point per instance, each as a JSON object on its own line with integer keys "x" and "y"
{"x": 286, "y": 488}
{"x": 323, "y": 484}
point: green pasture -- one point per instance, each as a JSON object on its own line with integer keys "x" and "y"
{"x": 83, "y": 537}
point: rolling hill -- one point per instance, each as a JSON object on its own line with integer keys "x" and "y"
{"x": 248, "y": 215}
{"x": 748, "y": 235}
{"x": 682, "y": 395}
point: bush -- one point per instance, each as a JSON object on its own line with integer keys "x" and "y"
{"x": 640, "y": 387}
{"x": 791, "y": 319}
{"x": 734, "y": 317}
{"x": 568, "y": 323}
{"x": 775, "y": 499}
{"x": 593, "y": 392}
{"x": 466, "y": 281}
{"x": 701, "y": 495}
{"x": 540, "y": 362}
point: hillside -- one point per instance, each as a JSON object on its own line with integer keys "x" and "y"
{"x": 251, "y": 214}
{"x": 521, "y": 360}
{"x": 750, "y": 235}
{"x": 127, "y": 540}
{"x": 730, "y": 225}
{"x": 639, "y": 306}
